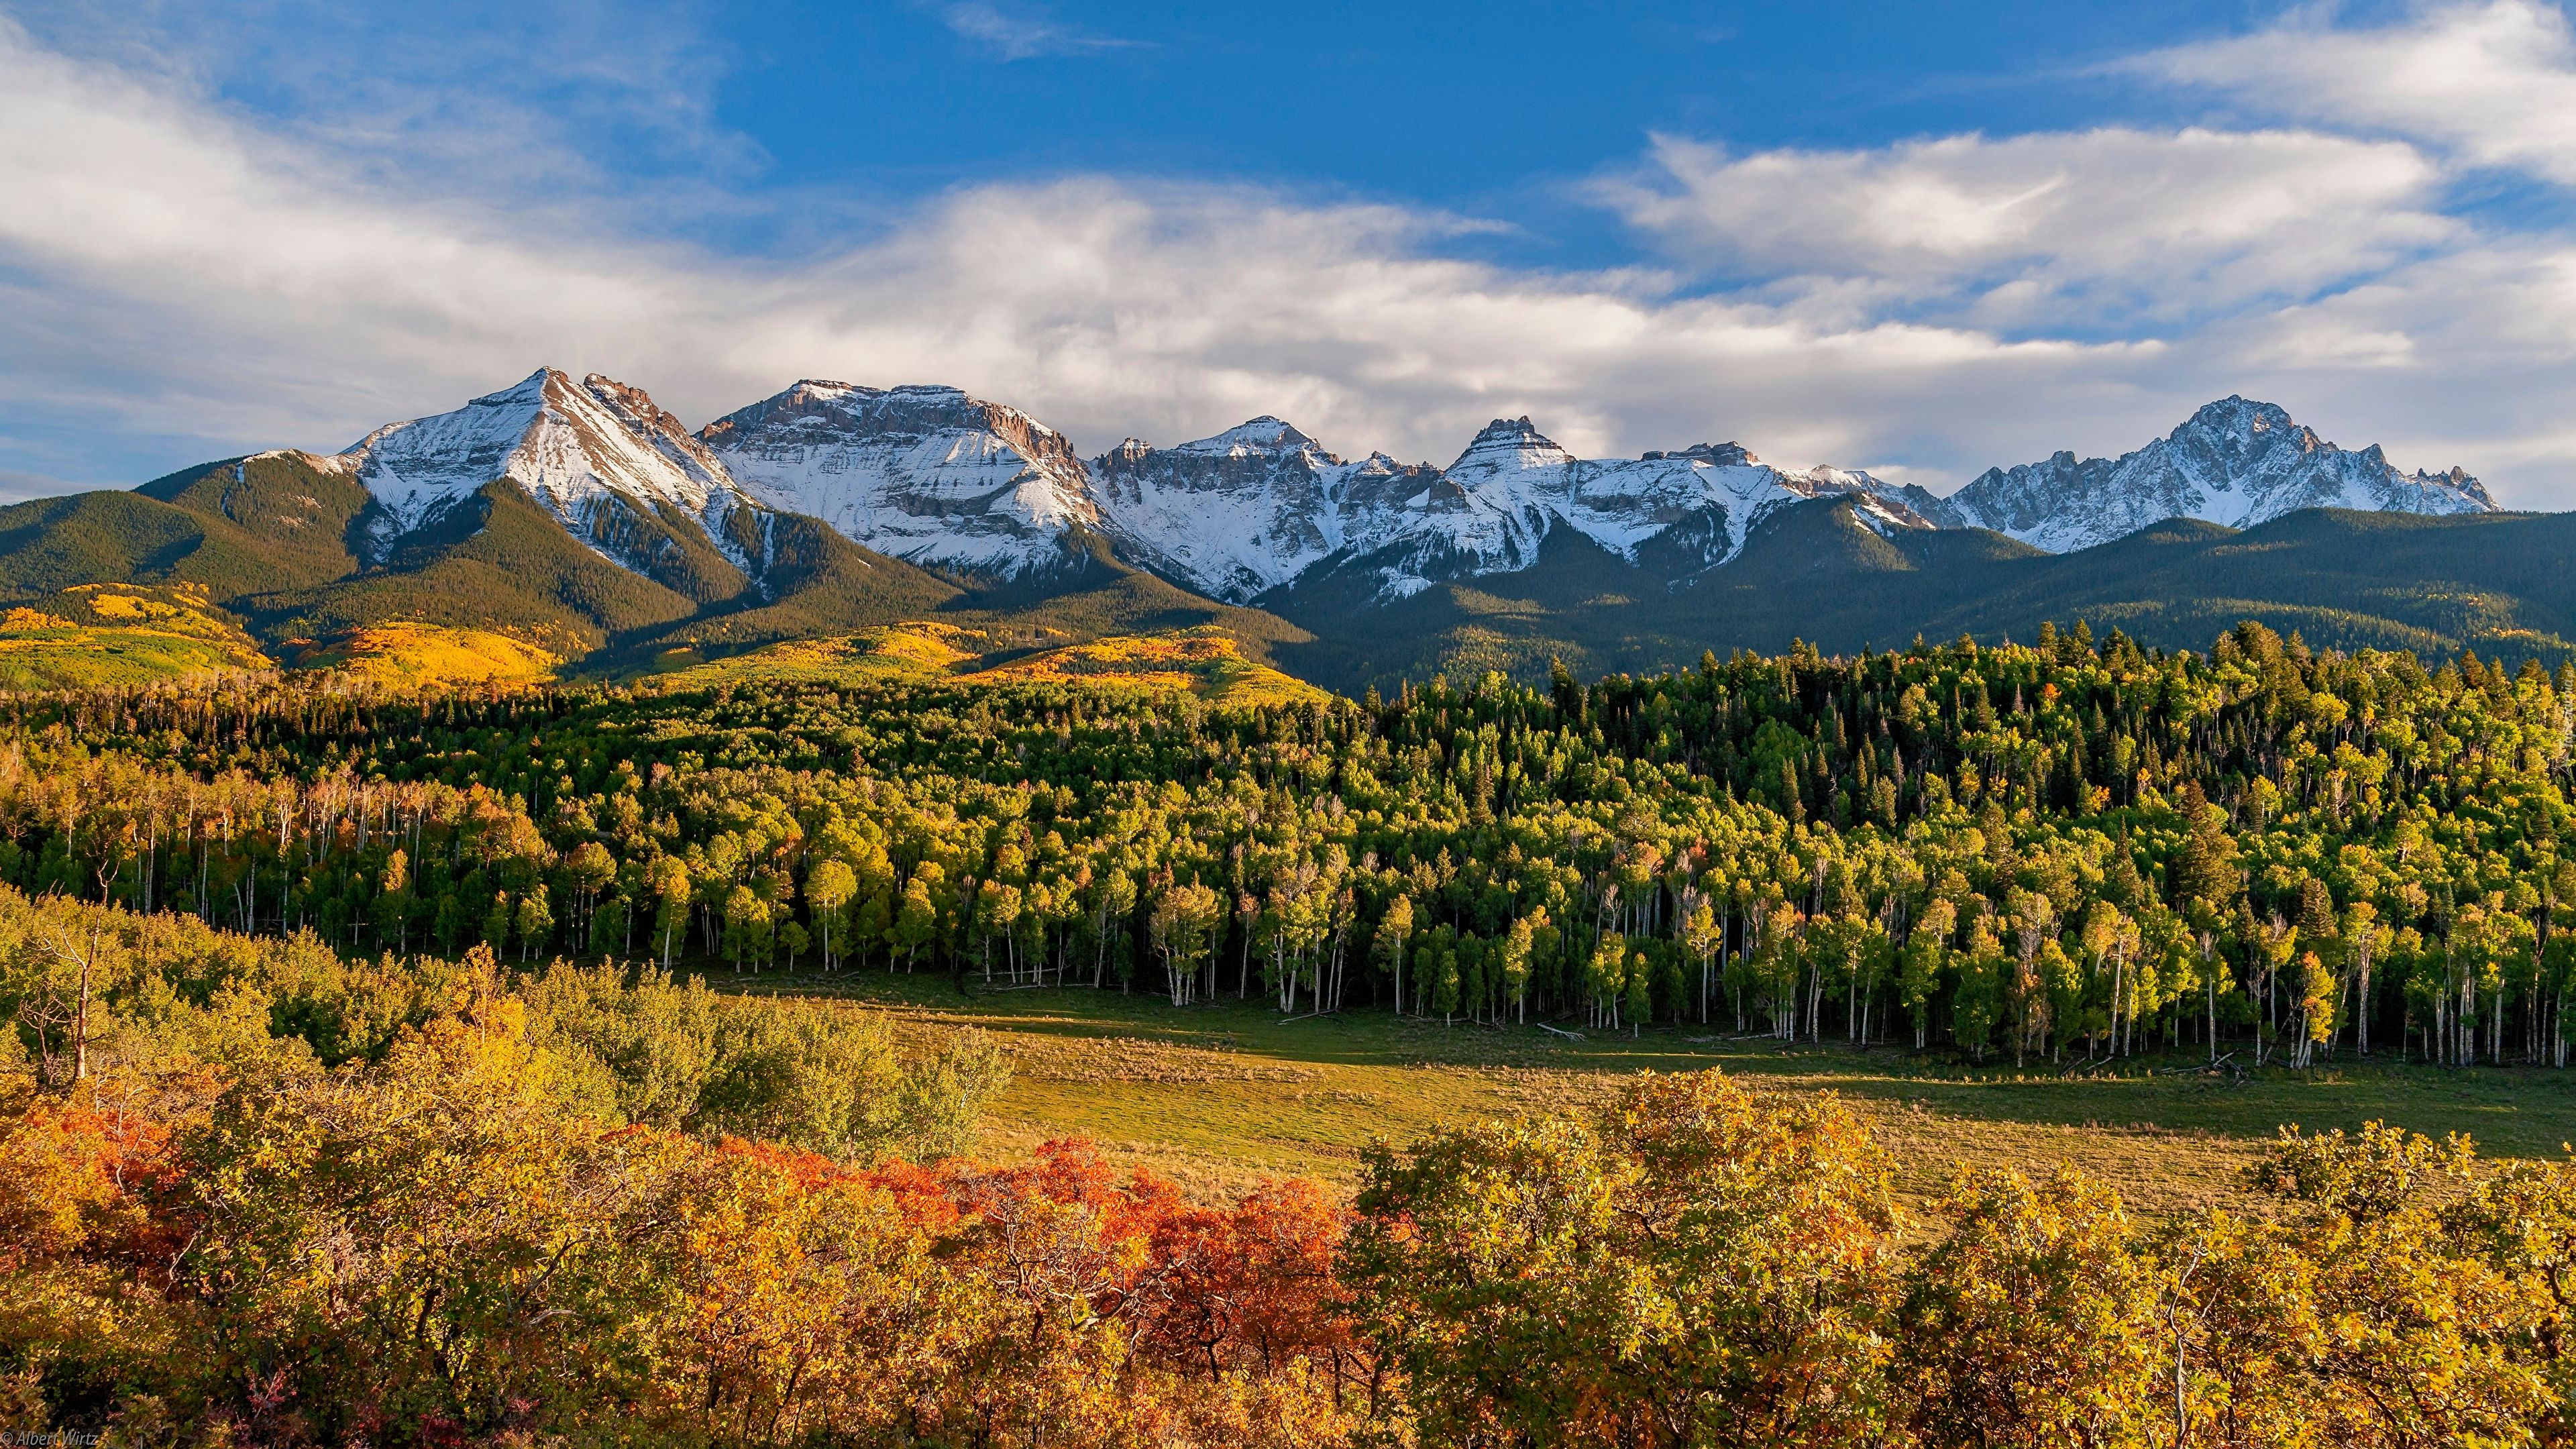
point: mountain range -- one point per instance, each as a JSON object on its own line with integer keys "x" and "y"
{"x": 581, "y": 515}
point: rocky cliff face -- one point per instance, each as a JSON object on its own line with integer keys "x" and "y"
{"x": 981, "y": 490}
{"x": 1239, "y": 513}
{"x": 597, "y": 454}
{"x": 2234, "y": 462}
{"x": 927, "y": 474}
{"x": 1257, "y": 506}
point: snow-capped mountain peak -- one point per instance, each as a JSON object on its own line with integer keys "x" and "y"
{"x": 926, "y": 473}
{"x": 1230, "y": 515}
{"x": 573, "y": 447}
{"x": 934, "y": 475}
{"x": 2235, "y": 461}
{"x": 1507, "y": 445}
{"x": 1264, "y": 434}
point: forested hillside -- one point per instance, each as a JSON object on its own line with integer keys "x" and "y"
{"x": 2068, "y": 847}
{"x": 362, "y": 1088}
{"x": 1818, "y": 571}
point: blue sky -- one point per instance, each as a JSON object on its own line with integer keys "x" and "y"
{"x": 1916, "y": 238}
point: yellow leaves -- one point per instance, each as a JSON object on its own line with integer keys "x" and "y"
{"x": 2026, "y": 1322}
{"x": 122, "y": 607}
{"x": 798, "y": 1306}
{"x": 1704, "y": 1256}
{"x": 405, "y": 652}
{"x": 51, "y": 1188}
{"x": 2365, "y": 1177}
{"x": 94, "y": 635}
{"x": 1204, "y": 661}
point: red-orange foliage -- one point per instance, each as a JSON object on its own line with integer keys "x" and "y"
{"x": 76, "y": 1175}
{"x": 1251, "y": 1286}
{"x": 234, "y": 1253}
{"x": 1199, "y": 1289}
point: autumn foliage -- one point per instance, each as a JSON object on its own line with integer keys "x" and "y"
{"x": 493, "y": 1226}
{"x": 437, "y": 1249}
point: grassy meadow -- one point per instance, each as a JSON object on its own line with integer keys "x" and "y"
{"x": 1218, "y": 1096}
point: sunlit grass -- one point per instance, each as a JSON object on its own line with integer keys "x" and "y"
{"x": 1221, "y": 1095}
{"x": 409, "y": 653}
{"x": 1205, "y": 661}
{"x": 116, "y": 634}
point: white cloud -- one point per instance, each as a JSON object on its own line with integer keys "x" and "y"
{"x": 1024, "y": 35}
{"x": 169, "y": 271}
{"x": 246, "y": 292}
{"x": 2494, "y": 83}
{"x": 2051, "y": 228}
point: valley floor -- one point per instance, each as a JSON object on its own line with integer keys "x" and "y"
{"x": 1218, "y": 1096}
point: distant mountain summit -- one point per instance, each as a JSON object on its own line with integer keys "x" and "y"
{"x": 926, "y": 474}
{"x": 1247, "y": 510}
{"x": 1262, "y": 505}
{"x": 611, "y": 466}
{"x": 1495, "y": 507}
{"x": 579, "y": 513}
{"x": 984, "y": 492}
{"x": 2235, "y": 462}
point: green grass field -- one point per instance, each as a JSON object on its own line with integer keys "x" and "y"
{"x": 1219, "y": 1096}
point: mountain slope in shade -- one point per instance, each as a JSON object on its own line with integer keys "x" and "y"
{"x": 1262, "y": 505}
{"x": 2235, "y": 462}
{"x": 1817, "y": 571}
{"x": 1248, "y": 509}
{"x": 1491, "y": 509}
{"x": 926, "y": 474}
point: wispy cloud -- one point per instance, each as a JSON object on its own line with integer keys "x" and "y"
{"x": 2083, "y": 228}
{"x": 17, "y": 487}
{"x": 1025, "y": 35}
{"x": 2493, "y": 83}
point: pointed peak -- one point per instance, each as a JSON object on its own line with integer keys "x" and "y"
{"x": 2235, "y": 413}
{"x": 1512, "y": 429}
{"x": 1511, "y": 443}
{"x": 526, "y": 390}
{"x": 1515, "y": 434}
{"x": 1264, "y": 433}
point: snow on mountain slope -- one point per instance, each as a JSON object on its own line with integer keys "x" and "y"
{"x": 947, "y": 480}
{"x": 923, "y": 473}
{"x": 1260, "y": 503}
{"x": 575, "y": 448}
{"x": 1248, "y": 509}
{"x": 2234, "y": 462}
{"x": 1489, "y": 511}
